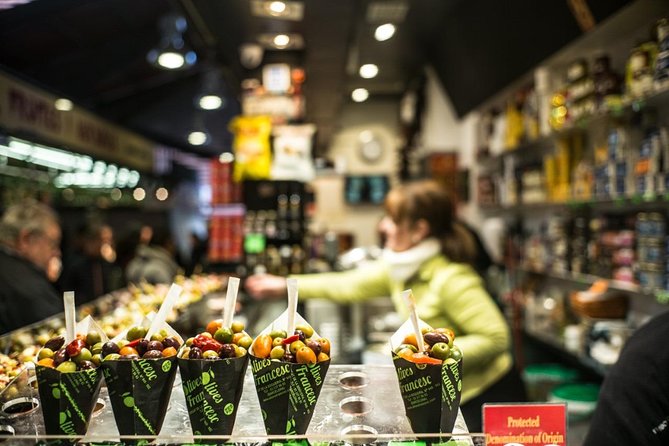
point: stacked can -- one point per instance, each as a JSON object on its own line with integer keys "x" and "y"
{"x": 652, "y": 245}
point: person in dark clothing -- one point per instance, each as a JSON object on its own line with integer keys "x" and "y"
{"x": 156, "y": 262}
{"x": 87, "y": 272}
{"x": 633, "y": 404}
{"x": 29, "y": 240}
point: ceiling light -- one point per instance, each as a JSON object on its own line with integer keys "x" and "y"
{"x": 172, "y": 53}
{"x": 360, "y": 94}
{"x": 63, "y": 104}
{"x": 281, "y": 40}
{"x": 226, "y": 158}
{"x": 368, "y": 71}
{"x": 210, "y": 102}
{"x": 162, "y": 194}
{"x": 197, "y": 138}
{"x": 276, "y": 8}
{"x": 384, "y": 32}
{"x": 139, "y": 194}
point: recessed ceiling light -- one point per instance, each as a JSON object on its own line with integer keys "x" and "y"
{"x": 276, "y": 7}
{"x": 384, "y": 32}
{"x": 360, "y": 94}
{"x": 210, "y": 102}
{"x": 281, "y": 40}
{"x": 139, "y": 194}
{"x": 226, "y": 157}
{"x": 162, "y": 194}
{"x": 171, "y": 60}
{"x": 63, "y": 104}
{"x": 368, "y": 71}
{"x": 197, "y": 138}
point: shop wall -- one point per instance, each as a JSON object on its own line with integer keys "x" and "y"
{"x": 333, "y": 213}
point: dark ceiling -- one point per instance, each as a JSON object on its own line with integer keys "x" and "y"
{"x": 94, "y": 51}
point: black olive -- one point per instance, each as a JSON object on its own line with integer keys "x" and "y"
{"x": 195, "y": 353}
{"x": 60, "y": 356}
{"x": 227, "y": 351}
{"x": 55, "y": 343}
{"x": 155, "y": 345}
{"x": 171, "y": 342}
{"x": 152, "y": 354}
{"x": 86, "y": 365}
{"x": 142, "y": 346}
{"x": 109, "y": 347}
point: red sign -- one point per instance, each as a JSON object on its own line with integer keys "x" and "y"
{"x": 543, "y": 424}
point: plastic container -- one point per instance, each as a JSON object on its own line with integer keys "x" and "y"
{"x": 581, "y": 399}
{"x": 540, "y": 379}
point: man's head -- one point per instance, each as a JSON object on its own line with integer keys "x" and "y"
{"x": 33, "y": 231}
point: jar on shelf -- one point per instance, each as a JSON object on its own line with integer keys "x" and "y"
{"x": 606, "y": 83}
{"x": 640, "y": 69}
{"x": 662, "y": 62}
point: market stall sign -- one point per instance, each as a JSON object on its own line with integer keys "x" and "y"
{"x": 525, "y": 424}
{"x": 28, "y": 111}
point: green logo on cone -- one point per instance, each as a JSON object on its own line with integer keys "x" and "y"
{"x": 128, "y": 400}
{"x": 55, "y": 391}
{"x": 167, "y": 365}
{"x": 228, "y": 409}
{"x": 206, "y": 377}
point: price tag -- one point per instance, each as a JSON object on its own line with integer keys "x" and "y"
{"x": 538, "y": 424}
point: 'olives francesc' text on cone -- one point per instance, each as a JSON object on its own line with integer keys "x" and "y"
{"x": 288, "y": 372}
{"x": 139, "y": 374}
{"x": 212, "y": 366}
{"x": 69, "y": 380}
{"x": 430, "y": 381}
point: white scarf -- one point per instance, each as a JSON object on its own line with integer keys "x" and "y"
{"x": 404, "y": 264}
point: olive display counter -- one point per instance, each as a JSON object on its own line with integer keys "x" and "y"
{"x": 358, "y": 404}
{"x": 114, "y": 312}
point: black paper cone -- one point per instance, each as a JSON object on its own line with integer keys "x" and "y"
{"x": 139, "y": 390}
{"x": 287, "y": 393}
{"x": 212, "y": 389}
{"x": 67, "y": 399}
{"x": 431, "y": 394}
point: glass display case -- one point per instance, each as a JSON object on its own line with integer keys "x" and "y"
{"x": 358, "y": 404}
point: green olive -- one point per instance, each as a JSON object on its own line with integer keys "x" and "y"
{"x": 45, "y": 353}
{"x": 67, "y": 367}
{"x": 240, "y": 351}
{"x": 93, "y": 338}
{"x": 413, "y": 348}
{"x": 277, "y": 352}
{"x": 456, "y": 353}
{"x": 223, "y": 335}
{"x": 97, "y": 348}
{"x": 306, "y": 329}
{"x": 84, "y": 355}
{"x": 245, "y": 341}
{"x": 136, "y": 332}
{"x": 440, "y": 350}
{"x": 237, "y": 326}
{"x": 210, "y": 354}
{"x": 278, "y": 334}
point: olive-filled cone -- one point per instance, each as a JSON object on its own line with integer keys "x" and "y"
{"x": 67, "y": 399}
{"x": 213, "y": 389}
{"x": 139, "y": 390}
{"x": 287, "y": 393}
{"x": 431, "y": 394}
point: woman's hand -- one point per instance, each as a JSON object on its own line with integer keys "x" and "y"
{"x": 265, "y": 286}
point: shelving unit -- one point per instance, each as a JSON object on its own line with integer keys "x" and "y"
{"x": 504, "y": 173}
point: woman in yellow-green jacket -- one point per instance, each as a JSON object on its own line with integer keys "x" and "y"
{"x": 428, "y": 251}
